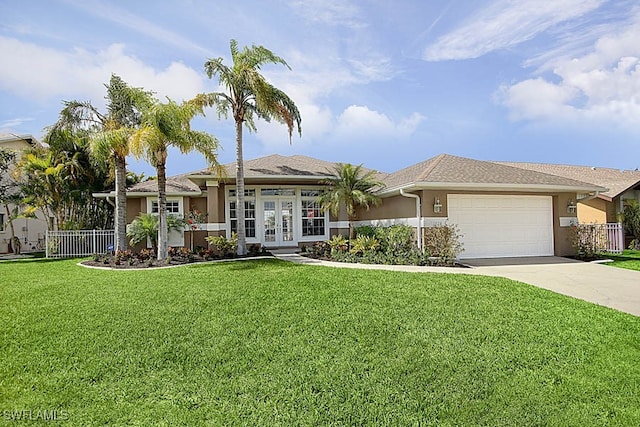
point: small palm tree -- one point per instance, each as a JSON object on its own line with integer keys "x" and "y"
{"x": 163, "y": 125}
{"x": 351, "y": 187}
{"x": 146, "y": 226}
{"x": 248, "y": 95}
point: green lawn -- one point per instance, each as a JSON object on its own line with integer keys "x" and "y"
{"x": 273, "y": 343}
{"x": 628, "y": 259}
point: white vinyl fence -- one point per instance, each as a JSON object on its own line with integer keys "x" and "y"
{"x": 615, "y": 238}
{"x": 77, "y": 243}
{"x": 603, "y": 237}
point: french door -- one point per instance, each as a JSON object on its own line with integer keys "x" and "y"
{"x": 278, "y": 215}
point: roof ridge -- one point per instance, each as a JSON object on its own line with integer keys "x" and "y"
{"x": 435, "y": 161}
{"x": 563, "y": 165}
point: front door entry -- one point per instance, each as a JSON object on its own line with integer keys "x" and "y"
{"x": 278, "y": 222}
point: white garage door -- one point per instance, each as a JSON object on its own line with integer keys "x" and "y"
{"x": 503, "y": 226}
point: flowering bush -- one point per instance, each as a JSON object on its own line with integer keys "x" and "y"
{"x": 443, "y": 241}
{"x": 588, "y": 240}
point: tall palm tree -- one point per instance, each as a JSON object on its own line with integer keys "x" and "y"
{"x": 352, "y": 187}
{"x": 163, "y": 125}
{"x": 109, "y": 137}
{"x": 249, "y": 94}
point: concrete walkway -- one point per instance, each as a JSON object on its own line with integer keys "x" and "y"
{"x": 597, "y": 283}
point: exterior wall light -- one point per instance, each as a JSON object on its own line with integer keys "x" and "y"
{"x": 437, "y": 206}
{"x": 571, "y": 207}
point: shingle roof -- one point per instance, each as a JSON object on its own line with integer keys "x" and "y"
{"x": 617, "y": 181}
{"x": 281, "y": 166}
{"x": 459, "y": 170}
{"x": 442, "y": 169}
{"x": 175, "y": 184}
{"x": 270, "y": 166}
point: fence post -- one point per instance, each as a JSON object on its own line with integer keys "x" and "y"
{"x": 46, "y": 244}
{"x": 620, "y": 237}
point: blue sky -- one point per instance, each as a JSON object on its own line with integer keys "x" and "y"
{"x": 384, "y": 83}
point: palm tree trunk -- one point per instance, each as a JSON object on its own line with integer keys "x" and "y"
{"x": 163, "y": 234}
{"x": 352, "y": 230}
{"x": 240, "y": 214}
{"x": 120, "y": 219}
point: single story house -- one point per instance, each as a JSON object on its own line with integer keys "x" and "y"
{"x": 606, "y": 206}
{"x": 501, "y": 210}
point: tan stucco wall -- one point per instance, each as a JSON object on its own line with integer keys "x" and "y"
{"x": 195, "y": 204}
{"x": 135, "y": 206}
{"x": 562, "y": 235}
{"x": 215, "y": 204}
{"x": 391, "y": 207}
{"x": 592, "y": 211}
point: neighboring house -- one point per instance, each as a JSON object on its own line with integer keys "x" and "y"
{"x": 605, "y": 207}
{"x": 501, "y": 210}
{"x": 30, "y": 231}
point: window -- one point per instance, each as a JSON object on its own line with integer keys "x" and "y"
{"x": 311, "y": 193}
{"x": 247, "y": 193}
{"x": 313, "y": 221}
{"x": 249, "y": 211}
{"x": 173, "y": 207}
{"x": 278, "y": 192}
{"x": 1, "y": 222}
{"x": 249, "y": 217}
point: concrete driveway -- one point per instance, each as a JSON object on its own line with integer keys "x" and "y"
{"x": 598, "y": 283}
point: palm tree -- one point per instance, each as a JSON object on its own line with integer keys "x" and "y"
{"x": 109, "y": 137}
{"x": 352, "y": 187}
{"x": 248, "y": 94}
{"x": 146, "y": 226}
{"x": 163, "y": 125}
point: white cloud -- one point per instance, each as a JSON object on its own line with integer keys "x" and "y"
{"x": 603, "y": 85}
{"x": 43, "y": 73}
{"x": 16, "y": 122}
{"x": 504, "y": 24}
{"x": 359, "y": 122}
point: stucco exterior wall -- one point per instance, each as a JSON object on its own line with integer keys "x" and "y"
{"x": 135, "y": 206}
{"x": 391, "y": 208}
{"x": 592, "y": 211}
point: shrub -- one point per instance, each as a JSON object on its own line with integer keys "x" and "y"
{"x": 365, "y": 230}
{"x": 318, "y": 249}
{"x": 225, "y": 247}
{"x": 395, "y": 239}
{"x": 631, "y": 222}
{"x": 338, "y": 244}
{"x": 181, "y": 254}
{"x": 254, "y": 249}
{"x": 587, "y": 240}
{"x": 443, "y": 242}
{"x": 364, "y": 244}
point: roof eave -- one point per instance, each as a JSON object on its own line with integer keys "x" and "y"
{"x": 469, "y": 186}
{"x": 148, "y": 193}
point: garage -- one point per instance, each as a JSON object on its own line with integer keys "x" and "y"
{"x": 496, "y": 226}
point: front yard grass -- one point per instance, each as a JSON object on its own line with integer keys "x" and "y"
{"x": 628, "y": 259}
{"x": 265, "y": 342}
